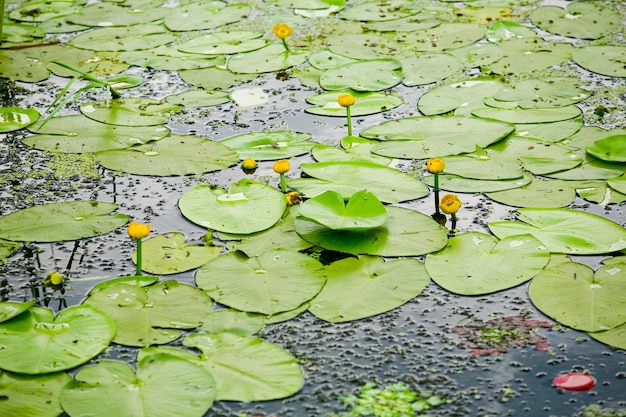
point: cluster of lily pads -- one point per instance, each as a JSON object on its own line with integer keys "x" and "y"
{"x": 502, "y": 131}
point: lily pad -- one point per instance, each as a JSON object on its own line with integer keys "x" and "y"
{"x": 130, "y": 38}
{"x": 76, "y": 335}
{"x": 234, "y": 321}
{"x": 173, "y": 155}
{"x": 163, "y": 385}
{"x": 549, "y": 132}
{"x": 271, "y": 58}
{"x": 428, "y": 68}
{"x": 461, "y": 96}
{"x": 469, "y": 185}
{"x": 612, "y": 148}
{"x": 539, "y": 193}
{"x": 168, "y": 253}
{"x": 586, "y": 20}
{"x": 54, "y": 222}
{"x": 119, "y": 14}
{"x": 615, "y": 337}
{"x": 370, "y": 75}
{"x": 151, "y": 315}
{"x": 376, "y": 11}
{"x": 225, "y": 43}
{"x": 565, "y": 230}
{"x": 406, "y": 233}
{"x": 247, "y": 207}
{"x": 10, "y": 309}
{"x": 503, "y": 30}
{"x": 324, "y": 59}
{"x": 199, "y": 98}
{"x": 532, "y": 115}
{"x": 214, "y": 78}
{"x": 602, "y": 59}
{"x": 444, "y": 37}
{"x": 618, "y": 184}
{"x": 7, "y": 248}
{"x": 528, "y": 55}
{"x": 273, "y": 282}
{"x": 347, "y": 178}
{"x": 363, "y": 46}
{"x": 205, "y": 15}
{"x": 129, "y": 111}
{"x": 28, "y": 395}
{"x": 476, "y": 263}
{"x": 42, "y": 11}
{"x": 366, "y": 103}
{"x": 16, "y": 118}
{"x": 543, "y": 93}
{"x": 419, "y": 21}
{"x": 599, "y": 191}
{"x": 368, "y": 285}
{"x": 18, "y": 65}
{"x": 356, "y": 151}
{"x": 572, "y": 294}
{"x": 277, "y": 144}
{"x": 167, "y": 57}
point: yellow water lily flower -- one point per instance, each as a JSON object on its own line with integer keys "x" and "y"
{"x": 346, "y": 100}
{"x": 435, "y": 165}
{"x": 54, "y": 278}
{"x": 293, "y": 198}
{"x": 450, "y": 204}
{"x": 282, "y": 30}
{"x": 138, "y": 230}
{"x": 281, "y": 166}
{"x": 248, "y": 164}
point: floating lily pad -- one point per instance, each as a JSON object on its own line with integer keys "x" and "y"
{"x": 247, "y": 207}
{"x": 130, "y": 38}
{"x": 199, "y": 98}
{"x": 476, "y": 263}
{"x": 618, "y": 183}
{"x": 42, "y": 11}
{"x": 615, "y": 337}
{"x": 167, "y": 57}
{"x": 468, "y": 185}
{"x": 368, "y": 285}
{"x": 380, "y": 10}
{"x": 428, "y": 68}
{"x": 444, "y": 37}
{"x": 532, "y": 115}
{"x": 168, "y": 253}
{"x": 598, "y": 191}
{"x": 29, "y": 395}
{"x": 347, "y": 178}
{"x": 565, "y": 230}
{"x": 543, "y": 93}
{"x": 225, "y": 43}
{"x": 173, "y": 155}
{"x": 152, "y": 315}
{"x": 214, "y": 78}
{"x": 572, "y": 294}
{"x": 234, "y": 321}
{"x": 503, "y": 30}
{"x": 460, "y": 96}
{"x": 7, "y": 248}
{"x": 15, "y": 118}
{"x": 406, "y": 233}
{"x": 136, "y": 280}
{"x": 477, "y": 55}
{"x": 205, "y": 15}
{"x": 271, "y": 58}
{"x": 10, "y": 309}
{"x": 324, "y": 59}
{"x": 586, "y": 20}
{"x": 76, "y": 335}
{"x": 549, "y": 132}
{"x": 363, "y": 46}
{"x": 528, "y": 55}
{"x": 119, "y": 14}
{"x": 308, "y": 4}
{"x": 129, "y": 111}
{"x": 366, "y": 103}
{"x": 19, "y": 66}
{"x": 370, "y": 75}
{"x": 163, "y": 385}
{"x": 54, "y": 222}
{"x": 273, "y": 282}
{"x": 483, "y": 164}
{"x": 612, "y": 148}
{"x": 602, "y": 59}
{"x": 278, "y": 144}
{"x": 419, "y": 21}
{"x": 357, "y": 152}
{"x": 539, "y": 193}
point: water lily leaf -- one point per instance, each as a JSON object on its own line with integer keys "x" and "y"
{"x": 503, "y": 30}
{"x": 598, "y": 191}
{"x": 129, "y": 111}
{"x": 10, "y": 309}
{"x": 167, "y": 57}
{"x": 173, "y": 155}
{"x": 54, "y": 222}
{"x": 20, "y": 32}
{"x": 363, "y": 211}
{"x": 615, "y": 337}
{"x": 477, "y": 55}
{"x": 18, "y": 65}
{"x": 549, "y": 132}
{"x": 363, "y": 46}
{"x": 119, "y": 14}
{"x": 278, "y": 144}
{"x": 233, "y": 321}
{"x": 543, "y": 93}
{"x": 462, "y": 96}
{"x": 572, "y": 294}
{"x": 579, "y": 20}
{"x": 130, "y": 38}
{"x": 476, "y": 263}
{"x": 164, "y": 385}
{"x": 357, "y": 152}
{"x": 467, "y": 185}
{"x": 532, "y": 115}
{"x": 602, "y": 59}
{"x": 199, "y": 98}
{"x": 419, "y": 21}
{"x": 76, "y": 335}
{"x": 435, "y": 136}
{"x": 368, "y": 285}
{"x": 428, "y": 68}
{"x": 15, "y": 118}
{"x": 214, "y": 78}
{"x": 370, "y": 75}
{"x": 225, "y": 43}
{"x": 538, "y": 193}
{"x": 366, "y": 103}
{"x": 406, "y": 233}
{"x": 271, "y": 58}
{"x": 168, "y": 253}
{"x": 444, "y": 37}
{"x": 565, "y": 230}
{"x": 380, "y": 10}
{"x": 324, "y": 59}
{"x": 42, "y": 11}
{"x": 7, "y": 248}
{"x": 29, "y": 395}
{"x": 247, "y": 207}
{"x": 528, "y": 55}
{"x": 618, "y": 184}
{"x": 347, "y": 178}
{"x": 488, "y": 165}
{"x": 151, "y": 315}
{"x": 273, "y": 282}
{"x": 308, "y": 4}
{"x": 60, "y": 25}
{"x": 205, "y": 15}
{"x": 136, "y": 280}
{"x": 79, "y": 134}
{"x": 612, "y": 148}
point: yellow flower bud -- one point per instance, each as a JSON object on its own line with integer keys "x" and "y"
{"x": 450, "y": 203}
{"x": 346, "y": 100}
{"x": 54, "y": 278}
{"x": 281, "y": 166}
{"x": 435, "y": 165}
{"x": 248, "y": 164}
{"x": 293, "y": 198}
{"x": 138, "y": 230}
{"x": 282, "y": 30}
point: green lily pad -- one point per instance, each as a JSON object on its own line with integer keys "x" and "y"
{"x": 199, "y": 98}
{"x": 365, "y": 103}
{"x": 168, "y": 253}
{"x": 406, "y": 233}
{"x": 363, "y": 46}
{"x": 476, "y": 263}
{"x": 10, "y": 309}
{"x": 163, "y": 385}
{"x": 586, "y": 20}
{"x": 29, "y": 395}
{"x": 214, "y": 78}
{"x": 54, "y": 222}
{"x": 477, "y": 55}
{"x": 119, "y": 14}
{"x": 151, "y": 315}
{"x": 549, "y": 132}
{"x": 7, "y": 248}
{"x": 247, "y": 207}
{"x": 167, "y": 57}
{"x": 532, "y": 115}
{"x": 136, "y": 280}
{"x": 368, "y": 285}
{"x": 225, "y": 43}
{"x": 79, "y": 134}
{"x": 460, "y": 96}
{"x": 21, "y": 32}
{"x": 469, "y": 185}
{"x": 572, "y": 294}
{"x": 18, "y": 65}
{"x": 565, "y": 230}
{"x": 377, "y": 11}
{"x": 273, "y": 282}
{"x": 615, "y": 337}
{"x": 428, "y": 68}
{"x": 612, "y": 148}
{"x": 602, "y": 59}
{"x": 528, "y": 55}
{"x": 598, "y": 191}
{"x": 483, "y": 164}
{"x": 271, "y": 58}
{"x": 234, "y": 321}
{"x": 419, "y": 21}
{"x": 173, "y": 155}
{"x": 278, "y": 144}
{"x": 76, "y": 335}
{"x": 324, "y": 59}
{"x": 538, "y": 193}
{"x": 16, "y": 118}
{"x": 42, "y": 11}
{"x": 363, "y": 211}
{"x": 618, "y": 183}
{"x": 130, "y": 38}
{"x": 308, "y": 4}
{"x": 347, "y": 178}
{"x": 129, "y": 111}
{"x": 205, "y": 15}
{"x": 444, "y": 37}
{"x": 543, "y": 93}
{"x": 370, "y": 75}
{"x": 503, "y": 30}
{"x": 356, "y": 150}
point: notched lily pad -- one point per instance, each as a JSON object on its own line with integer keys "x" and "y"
{"x": 129, "y": 111}
{"x": 278, "y": 144}
{"x": 15, "y": 118}
{"x": 612, "y": 149}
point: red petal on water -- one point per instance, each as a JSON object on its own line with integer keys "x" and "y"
{"x": 543, "y": 346}
{"x": 574, "y": 382}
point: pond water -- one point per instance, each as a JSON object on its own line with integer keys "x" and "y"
{"x": 415, "y": 343}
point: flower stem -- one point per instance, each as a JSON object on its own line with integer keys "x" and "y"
{"x": 349, "y": 121}
{"x": 285, "y": 45}
{"x": 139, "y": 254}
{"x": 283, "y": 185}
{"x": 436, "y": 188}
{"x": 453, "y": 225}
